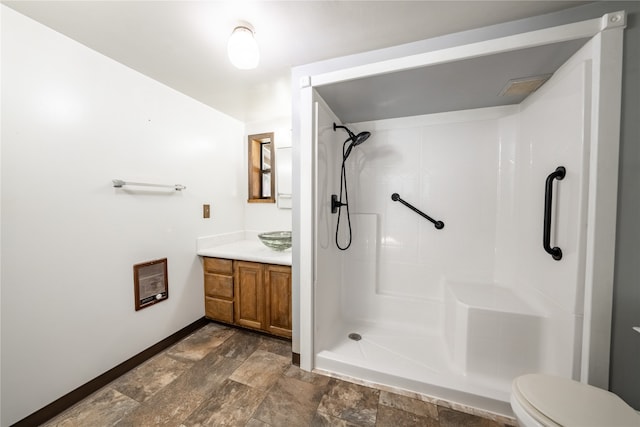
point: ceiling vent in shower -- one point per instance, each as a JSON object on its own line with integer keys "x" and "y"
{"x": 524, "y": 85}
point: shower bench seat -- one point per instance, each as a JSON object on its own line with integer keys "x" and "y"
{"x": 491, "y": 330}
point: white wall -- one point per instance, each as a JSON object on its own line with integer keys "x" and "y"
{"x": 329, "y": 283}
{"x": 73, "y": 120}
{"x": 554, "y": 131}
{"x": 446, "y": 166}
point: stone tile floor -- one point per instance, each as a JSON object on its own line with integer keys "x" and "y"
{"x": 222, "y": 376}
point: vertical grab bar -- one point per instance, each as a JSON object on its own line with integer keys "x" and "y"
{"x": 558, "y": 174}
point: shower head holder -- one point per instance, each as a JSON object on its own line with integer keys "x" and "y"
{"x": 351, "y": 134}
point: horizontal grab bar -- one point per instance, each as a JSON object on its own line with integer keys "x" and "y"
{"x": 118, "y": 183}
{"x": 438, "y": 224}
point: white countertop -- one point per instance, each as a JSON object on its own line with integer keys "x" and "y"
{"x": 245, "y": 249}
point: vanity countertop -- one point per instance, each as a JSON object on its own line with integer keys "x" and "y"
{"x": 245, "y": 249}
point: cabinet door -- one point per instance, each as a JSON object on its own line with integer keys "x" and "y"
{"x": 278, "y": 299}
{"x": 249, "y": 294}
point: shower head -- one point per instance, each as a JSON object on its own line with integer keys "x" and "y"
{"x": 355, "y": 139}
{"x": 360, "y": 138}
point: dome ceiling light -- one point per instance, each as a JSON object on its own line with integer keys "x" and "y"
{"x": 242, "y": 48}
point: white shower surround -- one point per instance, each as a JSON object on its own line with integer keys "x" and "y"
{"x": 457, "y": 313}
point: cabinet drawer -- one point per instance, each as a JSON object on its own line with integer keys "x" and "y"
{"x": 218, "y": 265}
{"x": 216, "y": 285}
{"x": 218, "y": 309}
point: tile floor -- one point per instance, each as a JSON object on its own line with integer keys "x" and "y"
{"x": 222, "y": 376}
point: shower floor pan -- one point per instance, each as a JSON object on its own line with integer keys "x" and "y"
{"x": 414, "y": 361}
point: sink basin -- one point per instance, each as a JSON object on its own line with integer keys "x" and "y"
{"x": 276, "y": 240}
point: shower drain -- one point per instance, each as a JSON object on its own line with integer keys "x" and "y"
{"x": 354, "y": 336}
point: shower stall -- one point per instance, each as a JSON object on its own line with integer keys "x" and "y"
{"x": 482, "y": 214}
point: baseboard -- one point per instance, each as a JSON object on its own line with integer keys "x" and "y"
{"x": 68, "y": 400}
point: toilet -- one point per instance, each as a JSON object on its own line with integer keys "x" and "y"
{"x": 540, "y": 400}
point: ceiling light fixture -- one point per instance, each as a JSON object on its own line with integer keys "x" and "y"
{"x": 242, "y": 48}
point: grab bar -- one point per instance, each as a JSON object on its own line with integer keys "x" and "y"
{"x": 558, "y": 174}
{"x": 118, "y": 183}
{"x": 438, "y": 224}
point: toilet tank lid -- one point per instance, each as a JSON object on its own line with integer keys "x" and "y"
{"x": 570, "y": 403}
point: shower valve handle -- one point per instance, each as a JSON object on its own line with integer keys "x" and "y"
{"x": 336, "y": 204}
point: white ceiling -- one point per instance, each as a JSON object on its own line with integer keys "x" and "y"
{"x": 183, "y": 43}
{"x": 451, "y": 86}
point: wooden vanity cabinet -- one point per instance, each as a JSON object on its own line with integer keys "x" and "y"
{"x": 249, "y": 294}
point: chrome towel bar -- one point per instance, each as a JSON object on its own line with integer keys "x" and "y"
{"x": 118, "y": 183}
